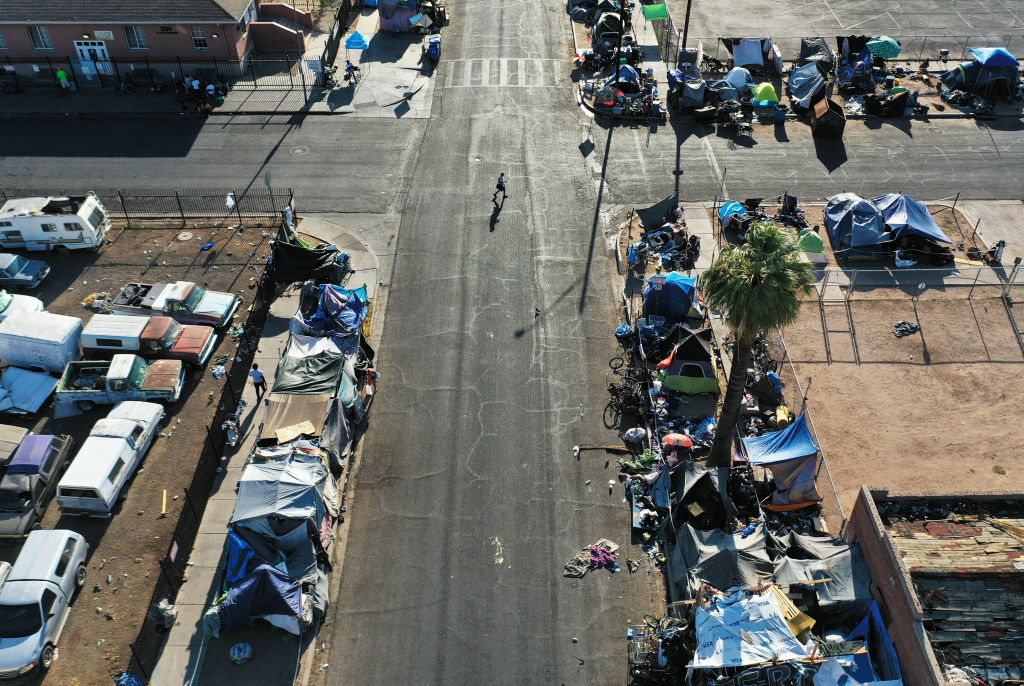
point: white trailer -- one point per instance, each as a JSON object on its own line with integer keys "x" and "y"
{"x": 51, "y": 223}
{"x": 40, "y": 340}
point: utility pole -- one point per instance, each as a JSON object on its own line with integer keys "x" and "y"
{"x": 618, "y": 50}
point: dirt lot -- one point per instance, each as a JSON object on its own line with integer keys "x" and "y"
{"x": 124, "y": 550}
{"x": 938, "y": 410}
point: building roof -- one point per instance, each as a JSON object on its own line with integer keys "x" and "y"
{"x": 966, "y": 561}
{"x": 122, "y": 11}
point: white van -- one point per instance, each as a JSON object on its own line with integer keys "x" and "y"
{"x": 41, "y": 341}
{"x": 53, "y": 223}
{"x": 108, "y": 459}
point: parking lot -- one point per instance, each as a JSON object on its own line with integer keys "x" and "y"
{"x": 125, "y": 549}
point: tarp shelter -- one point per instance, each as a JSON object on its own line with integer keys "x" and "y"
{"x": 734, "y": 216}
{"x": 740, "y": 79}
{"x": 880, "y": 665}
{"x": 671, "y": 296}
{"x": 627, "y": 81}
{"x": 356, "y": 41}
{"x": 607, "y": 26}
{"x": 690, "y": 368}
{"x": 844, "y": 597}
{"x": 806, "y": 86}
{"x": 723, "y": 90}
{"x": 809, "y": 241}
{"x": 285, "y": 410}
{"x": 294, "y": 260}
{"x": 743, "y": 629}
{"x": 891, "y": 104}
{"x": 855, "y": 226}
{"x": 699, "y": 497}
{"x": 340, "y": 311}
{"x": 721, "y": 558}
{"x": 817, "y": 51}
{"x": 653, "y": 217}
{"x": 850, "y": 47}
{"x": 992, "y": 70}
{"x": 692, "y": 94}
{"x": 792, "y": 456}
{"x": 265, "y": 591}
{"x": 309, "y": 366}
{"x": 764, "y": 92}
{"x": 748, "y": 52}
{"x": 906, "y": 216}
{"x": 395, "y": 15}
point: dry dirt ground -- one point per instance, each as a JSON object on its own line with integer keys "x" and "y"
{"x": 125, "y": 550}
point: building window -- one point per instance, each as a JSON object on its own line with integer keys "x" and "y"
{"x": 49, "y": 228}
{"x": 3, "y": 41}
{"x": 136, "y": 38}
{"x": 40, "y": 38}
{"x": 198, "y": 38}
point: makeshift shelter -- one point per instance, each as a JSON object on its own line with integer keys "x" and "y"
{"x": 749, "y": 52}
{"x": 806, "y": 86}
{"x": 395, "y": 15}
{"x": 293, "y": 259}
{"x": 880, "y": 665}
{"x": 744, "y": 628}
{"x": 723, "y": 90}
{"x": 292, "y": 415}
{"x": 792, "y": 457}
{"x": 993, "y": 71}
{"x": 699, "y": 497}
{"x": 690, "y": 368}
{"x": 690, "y": 94}
{"x": 908, "y": 217}
{"x": 723, "y": 559}
{"x": 838, "y": 587}
{"x": 608, "y": 27}
{"x": 890, "y": 104}
{"x": 817, "y": 51}
{"x": 828, "y": 118}
{"x": 856, "y": 226}
{"x": 672, "y": 296}
{"x": 655, "y": 216}
{"x": 627, "y": 80}
{"x": 764, "y": 92}
{"x": 740, "y": 79}
{"x": 851, "y": 47}
{"x": 310, "y": 366}
{"x": 266, "y": 592}
{"x": 338, "y": 313}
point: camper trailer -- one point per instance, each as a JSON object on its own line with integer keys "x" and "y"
{"x": 56, "y": 224}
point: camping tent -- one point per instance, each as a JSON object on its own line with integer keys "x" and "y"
{"x": 741, "y": 629}
{"x": 808, "y": 241}
{"x": 806, "y": 86}
{"x": 739, "y": 78}
{"x": 906, "y": 216}
{"x": 992, "y": 70}
{"x": 721, "y": 558}
{"x": 690, "y": 368}
{"x": 855, "y": 226}
{"x": 765, "y": 92}
{"x": 699, "y": 496}
{"x": 792, "y": 456}
{"x": 265, "y": 591}
{"x": 672, "y": 296}
{"x": 608, "y": 26}
{"x": 734, "y": 216}
{"x": 627, "y": 80}
{"x": 817, "y": 51}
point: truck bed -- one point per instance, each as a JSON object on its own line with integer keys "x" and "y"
{"x": 133, "y": 294}
{"x": 85, "y": 376}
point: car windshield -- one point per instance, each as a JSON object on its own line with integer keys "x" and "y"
{"x": 18, "y": 621}
{"x": 5, "y": 300}
{"x": 17, "y": 265}
{"x": 194, "y": 298}
{"x": 14, "y": 501}
{"x": 137, "y": 376}
{"x": 171, "y": 337}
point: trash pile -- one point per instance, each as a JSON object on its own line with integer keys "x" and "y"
{"x": 904, "y": 328}
{"x": 665, "y": 242}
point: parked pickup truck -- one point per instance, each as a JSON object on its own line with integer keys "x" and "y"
{"x": 159, "y": 337}
{"x": 89, "y": 383}
{"x": 36, "y": 599}
{"x": 30, "y": 482}
{"x": 184, "y": 301}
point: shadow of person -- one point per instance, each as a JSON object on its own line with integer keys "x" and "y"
{"x": 496, "y": 212}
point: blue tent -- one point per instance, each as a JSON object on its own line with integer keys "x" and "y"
{"x": 356, "y": 41}
{"x": 673, "y": 300}
{"x": 994, "y": 57}
{"x": 855, "y": 226}
{"x": 792, "y": 457}
{"x": 906, "y": 216}
{"x": 805, "y": 85}
{"x": 729, "y": 209}
{"x": 266, "y": 591}
{"x": 628, "y": 80}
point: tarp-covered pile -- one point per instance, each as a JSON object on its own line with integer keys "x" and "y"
{"x": 855, "y": 226}
{"x": 293, "y": 259}
{"x": 792, "y": 456}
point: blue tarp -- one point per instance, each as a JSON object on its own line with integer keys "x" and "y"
{"x": 357, "y": 41}
{"x": 994, "y": 57}
{"x": 627, "y": 74}
{"x": 904, "y": 215}
{"x": 805, "y": 83}
{"x": 267, "y": 591}
{"x": 855, "y": 225}
{"x": 880, "y": 651}
{"x": 340, "y": 310}
{"x": 239, "y": 555}
{"x": 729, "y": 209}
{"x": 673, "y": 300}
{"x": 793, "y": 442}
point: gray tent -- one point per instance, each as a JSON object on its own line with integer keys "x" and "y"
{"x": 721, "y": 558}
{"x": 310, "y": 366}
{"x": 692, "y": 94}
{"x": 805, "y": 86}
{"x": 843, "y": 599}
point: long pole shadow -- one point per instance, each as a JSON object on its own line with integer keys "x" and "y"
{"x": 597, "y": 219}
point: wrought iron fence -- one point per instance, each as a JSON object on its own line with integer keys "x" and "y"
{"x": 210, "y": 207}
{"x": 148, "y": 644}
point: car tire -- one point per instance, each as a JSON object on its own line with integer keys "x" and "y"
{"x": 80, "y": 576}
{"x": 46, "y": 658}
{"x": 85, "y": 405}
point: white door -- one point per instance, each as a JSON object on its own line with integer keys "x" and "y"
{"x": 94, "y": 51}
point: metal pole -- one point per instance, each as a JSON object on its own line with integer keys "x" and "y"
{"x": 238, "y": 210}
{"x": 686, "y": 23}
{"x": 181, "y": 210}
{"x": 977, "y": 276}
{"x": 188, "y": 499}
{"x": 163, "y": 570}
{"x": 123, "y": 208}
{"x": 298, "y": 44}
{"x": 955, "y": 199}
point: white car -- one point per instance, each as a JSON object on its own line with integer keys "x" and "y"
{"x": 12, "y": 302}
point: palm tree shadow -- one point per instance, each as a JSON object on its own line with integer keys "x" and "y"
{"x": 495, "y": 213}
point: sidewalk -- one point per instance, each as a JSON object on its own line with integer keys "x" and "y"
{"x": 188, "y": 656}
{"x": 394, "y": 84}
{"x": 1000, "y": 221}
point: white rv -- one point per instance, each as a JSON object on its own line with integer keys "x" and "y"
{"x": 58, "y": 224}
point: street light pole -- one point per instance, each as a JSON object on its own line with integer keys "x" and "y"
{"x": 686, "y": 23}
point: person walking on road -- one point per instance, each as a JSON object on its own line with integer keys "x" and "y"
{"x": 500, "y": 188}
{"x": 259, "y": 381}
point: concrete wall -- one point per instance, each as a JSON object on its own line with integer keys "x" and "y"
{"x": 268, "y": 36}
{"x": 166, "y": 42}
{"x": 893, "y": 589}
{"x": 277, "y": 10}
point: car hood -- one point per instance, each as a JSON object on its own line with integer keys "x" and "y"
{"x": 192, "y": 340}
{"x": 163, "y": 376}
{"x": 15, "y": 523}
{"x": 217, "y": 304}
{"x": 34, "y": 268}
{"x": 15, "y": 653}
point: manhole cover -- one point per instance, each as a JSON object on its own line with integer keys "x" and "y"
{"x": 185, "y": 236}
{"x": 300, "y": 150}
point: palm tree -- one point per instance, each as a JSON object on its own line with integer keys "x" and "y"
{"x": 757, "y": 286}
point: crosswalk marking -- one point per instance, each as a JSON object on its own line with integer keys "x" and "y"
{"x": 504, "y": 72}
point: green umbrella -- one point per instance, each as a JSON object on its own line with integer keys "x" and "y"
{"x": 884, "y": 47}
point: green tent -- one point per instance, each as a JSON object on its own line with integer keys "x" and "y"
{"x": 690, "y": 368}
{"x": 808, "y": 241}
{"x": 652, "y": 12}
{"x": 765, "y": 92}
